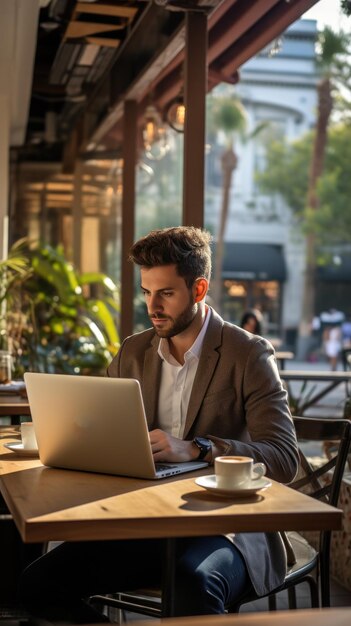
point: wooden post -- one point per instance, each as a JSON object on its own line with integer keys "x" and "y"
{"x": 4, "y": 173}
{"x": 194, "y": 132}
{"x": 128, "y": 215}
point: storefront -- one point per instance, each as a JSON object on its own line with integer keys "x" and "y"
{"x": 253, "y": 274}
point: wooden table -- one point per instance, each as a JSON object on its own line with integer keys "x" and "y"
{"x": 282, "y": 356}
{"x": 52, "y": 504}
{"x": 312, "y": 617}
{"x": 332, "y": 380}
{"x": 13, "y": 406}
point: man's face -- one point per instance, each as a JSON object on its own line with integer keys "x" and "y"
{"x": 170, "y": 303}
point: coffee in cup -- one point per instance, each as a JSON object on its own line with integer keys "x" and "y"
{"x": 29, "y": 440}
{"x": 237, "y": 472}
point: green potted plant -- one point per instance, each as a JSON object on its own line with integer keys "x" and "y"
{"x": 54, "y": 319}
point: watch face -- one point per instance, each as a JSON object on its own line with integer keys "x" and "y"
{"x": 204, "y": 446}
{"x": 201, "y": 441}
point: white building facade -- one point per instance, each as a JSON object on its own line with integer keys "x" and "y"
{"x": 278, "y": 90}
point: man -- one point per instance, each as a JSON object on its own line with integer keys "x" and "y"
{"x": 209, "y": 389}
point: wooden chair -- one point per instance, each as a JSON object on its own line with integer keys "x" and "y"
{"x": 312, "y": 565}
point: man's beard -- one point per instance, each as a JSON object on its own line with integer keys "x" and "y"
{"x": 180, "y": 323}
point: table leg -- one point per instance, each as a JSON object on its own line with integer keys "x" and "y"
{"x": 15, "y": 556}
{"x": 168, "y": 575}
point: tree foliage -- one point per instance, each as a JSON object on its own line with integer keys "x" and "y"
{"x": 228, "y": 114}
{"x": 346, "y": 6}
{"x": 333, "y": 63}
{"x": 286, "y": 174}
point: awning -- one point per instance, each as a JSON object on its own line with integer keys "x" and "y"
{"x": 339, "y": 271}
{"x": 253, "y": 261}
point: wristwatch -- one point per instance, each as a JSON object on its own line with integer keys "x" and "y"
{"x": 204, "y": 445}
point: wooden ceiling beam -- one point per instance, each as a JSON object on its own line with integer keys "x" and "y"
{"x": 169, "y": 83}
{"x": 237, "y": 31}
{"x": 114, "y": 10}
{"x": 241, "y": 19}
{"x": 103, "y": 41}
{"x": 270, "y": 26}
{"x": 220, "y": 11}
{"x": 79, "y": 30}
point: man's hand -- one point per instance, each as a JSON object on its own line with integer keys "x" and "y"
{"x": 171, "y": 449}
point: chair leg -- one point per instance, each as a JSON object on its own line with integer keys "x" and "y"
{"x": 313, "y": 588}
{"x": 115, "y": 615}
{"x": 325, "y": 578}
{"x": 313, "y": 585}
{"x": 292, "y": 597}
{"x": 272, "y": 602}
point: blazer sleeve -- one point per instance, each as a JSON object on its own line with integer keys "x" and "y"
{"x": 270, "y": 434}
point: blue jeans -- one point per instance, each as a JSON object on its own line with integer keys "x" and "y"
{"x": 210, "y": 574}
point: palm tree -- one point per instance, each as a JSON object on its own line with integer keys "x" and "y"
{"x": 346, "y": 6}
{"x": 227, "y": 114}
{"x": 331, "y": 61}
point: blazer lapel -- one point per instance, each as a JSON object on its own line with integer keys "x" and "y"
{"x": 207, "y": 364}
{"x": 151, "y": 382}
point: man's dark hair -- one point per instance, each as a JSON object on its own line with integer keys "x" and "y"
{"x": 186, "y": 247}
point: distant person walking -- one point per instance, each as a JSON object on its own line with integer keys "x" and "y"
{"x": 346, "y": 332}
{"x": 332, "y": 345}
{"x": 331, "y": 324}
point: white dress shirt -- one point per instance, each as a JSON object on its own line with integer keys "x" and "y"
{"x": 177, "y": 382}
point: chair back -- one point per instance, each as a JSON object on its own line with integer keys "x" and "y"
{"x": 318, "y": 482}
{"x": 346, "y": 358}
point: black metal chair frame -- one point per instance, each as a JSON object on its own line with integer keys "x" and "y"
{"x": 310, "y": 561}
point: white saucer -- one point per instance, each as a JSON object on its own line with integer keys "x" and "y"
{"x": 209, "y": 483}
{"x": 17, "y": 446}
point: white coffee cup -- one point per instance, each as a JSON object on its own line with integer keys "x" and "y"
{"x": 29, "y": 440}
{"x": 237, "y": 472}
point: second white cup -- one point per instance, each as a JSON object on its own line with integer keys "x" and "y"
{"x": 29, "y": 439}
{"x": 237, "y": 472}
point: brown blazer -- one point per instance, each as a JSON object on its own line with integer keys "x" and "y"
{"x": 238, "y": 401}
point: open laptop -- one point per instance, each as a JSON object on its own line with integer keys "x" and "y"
{"x": 94, "y": 424}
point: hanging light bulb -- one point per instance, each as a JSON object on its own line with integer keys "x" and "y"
{"x": 154, "y": 135}
{"x": 175, "y": 114}
{"x": 152, "y": 126}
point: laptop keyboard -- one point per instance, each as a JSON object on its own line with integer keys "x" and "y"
{"x": 160, "y": 466}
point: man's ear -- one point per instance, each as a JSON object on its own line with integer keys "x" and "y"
{"x": 200, "y": 288}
